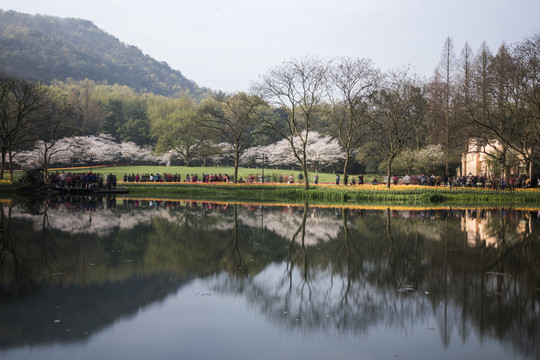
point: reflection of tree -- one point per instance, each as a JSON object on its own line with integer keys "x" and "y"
{"x": 297, "y": 257}
{"x": 447, "y": 279}
{"x": 234, "y": 262}
{"x": 14, "y": 276}
{"x": 348, "y": 257}
{"x": 348, "y": 282}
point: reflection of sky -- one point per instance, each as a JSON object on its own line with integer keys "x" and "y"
{"x": 320, "y": 314}
{"x": 199, "y": 323}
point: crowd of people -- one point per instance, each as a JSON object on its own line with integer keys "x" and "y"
{"x": 521, "y": 181}
{"x": 75, "y": 180}
{"x": 80, "y": 180}
{"x": 206, "y": 178}
{"x": 90, "y": 180}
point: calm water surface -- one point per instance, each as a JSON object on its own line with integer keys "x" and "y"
{"x": 145, "y": 279}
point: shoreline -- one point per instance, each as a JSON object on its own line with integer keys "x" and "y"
{"x": 397, "y": 195}
{"x": 341, "y": 194}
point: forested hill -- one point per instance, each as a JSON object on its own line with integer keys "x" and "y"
{"x": 46, "y": 48}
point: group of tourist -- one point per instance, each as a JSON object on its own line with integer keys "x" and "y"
{"x": 206, "y": 178}
{"x": 90, "y": 180}
{"x": 522, "y": 181}
{"x": 345, "y": 180}
{"x": 74, "y": 180}
{"x": 80, "y": 180}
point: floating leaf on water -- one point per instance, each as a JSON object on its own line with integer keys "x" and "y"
{"x": 497, "y": 273}
{"x": 56, "y": 321}
{"x": 405, "y": 288}
{"x": 427, "y": 292}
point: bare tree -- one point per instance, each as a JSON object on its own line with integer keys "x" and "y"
{"x": 353, "y": 83}
{"x": 446, "y": 69}
{"x": 20, "y": 103}
{"x": 399, "y": 108}
{"x": 507, "y": 99}
{"x": 526, "y": 56}
{"x": 297, "y": 87}
{"x": 58, "y": 118}
{"x": 234, "y": 118}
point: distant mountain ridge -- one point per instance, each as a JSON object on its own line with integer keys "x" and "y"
{"x": 47, "y": 48}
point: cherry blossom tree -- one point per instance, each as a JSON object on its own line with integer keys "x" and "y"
{"x": 87, "y": 150}
{"x": 320, "y": 151}
{"x": 132, "y": 153}
{"x": 99, "y": 149}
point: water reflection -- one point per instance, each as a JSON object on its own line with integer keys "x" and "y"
{"x": 88, "y": 262}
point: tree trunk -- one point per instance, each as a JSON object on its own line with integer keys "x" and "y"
{"x": 3, "y": 165}
{"x": 345, "y": 174}
{"x": 389, "y": 172}
{"x": 305, "y": 169}
{"x": 10, "y": 166}
{"x": 236, "y": 169}
{"x": 306, "y": 183}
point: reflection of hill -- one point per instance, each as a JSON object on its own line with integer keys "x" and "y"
{"x": 368, "y": 268}
{"x": 55, "y": 313}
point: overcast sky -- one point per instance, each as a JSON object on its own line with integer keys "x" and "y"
{"x": 226, "y": 44}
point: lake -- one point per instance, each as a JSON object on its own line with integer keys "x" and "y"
{"x": 121, "y": 278}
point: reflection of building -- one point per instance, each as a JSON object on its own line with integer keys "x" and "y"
{"x": 475, "y": 228}
{"x": 480, "y": 230}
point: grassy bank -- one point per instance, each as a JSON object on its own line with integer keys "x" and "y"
{"x": 325, "y": 192}
{"x": 396, "y": 195}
